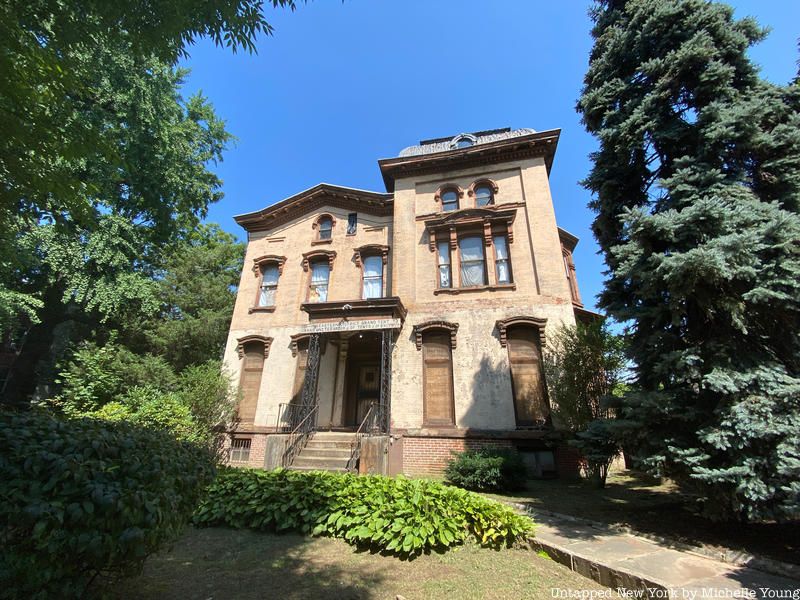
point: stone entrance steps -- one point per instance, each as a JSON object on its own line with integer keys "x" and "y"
{"x": 325, "y": 451}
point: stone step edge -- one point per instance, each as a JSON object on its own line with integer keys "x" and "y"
{"x": 730, "y": 556}
{"x": 606, "y": 575}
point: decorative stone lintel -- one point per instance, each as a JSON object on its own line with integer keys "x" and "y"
{"x": 329, "y": 255}
{"x": 240, "y": 343}
{"x": 299, "y": 337}
{"x": 371, "y": 250}
{"x": 420, "y": 329}
{"x": 266, "y": 259}
{"x": 504, "y": 324}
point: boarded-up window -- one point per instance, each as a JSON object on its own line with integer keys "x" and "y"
{"x": 438, "y": 378}
{"x": 252, "y": 368}
{"x": 300, "y": 371}
{"x": 525, "y": 355}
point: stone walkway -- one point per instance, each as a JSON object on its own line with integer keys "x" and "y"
{"x": 640, "y": 568}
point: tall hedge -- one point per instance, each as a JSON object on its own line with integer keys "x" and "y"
{"x": 81, "y": 498}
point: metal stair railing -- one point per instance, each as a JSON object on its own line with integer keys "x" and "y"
{"x": 299, "y": 437}
{"x": 370, "y": 425}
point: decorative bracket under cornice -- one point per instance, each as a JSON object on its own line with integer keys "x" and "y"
{"x": 485, "y": 219}
{"x": 504, "y": 324}
{"x": 240, "y": 343}
{"x": 420, "y": 329}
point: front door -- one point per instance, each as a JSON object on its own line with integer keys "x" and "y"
{"x": 368, "y": 390}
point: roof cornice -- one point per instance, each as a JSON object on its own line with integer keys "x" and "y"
{"x": 542, "y": 143}
{"x": 323, "y": 194}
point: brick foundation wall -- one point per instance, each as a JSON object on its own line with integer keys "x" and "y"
{"x": 258, "y": 444}
{"x": 430, "y": 455}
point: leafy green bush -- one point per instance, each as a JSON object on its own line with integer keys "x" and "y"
{"x": 487, "y": 469}
{"x": 397, "y": 515}
{"x": 83, "y": 497}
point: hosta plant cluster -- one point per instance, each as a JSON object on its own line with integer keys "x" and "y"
{"x": 401, "y": 516}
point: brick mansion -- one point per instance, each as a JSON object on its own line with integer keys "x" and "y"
{"x": 380, "y": 331}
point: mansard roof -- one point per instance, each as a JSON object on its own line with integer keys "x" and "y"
{"x": 487, "y": 147}
{"x": 323, "y": 194}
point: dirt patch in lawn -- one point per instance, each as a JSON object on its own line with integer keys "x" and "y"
{"x": 652, "y": 506}
{"x": 219, "y": 563}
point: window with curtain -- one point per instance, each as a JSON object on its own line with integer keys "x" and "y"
{"x": 269, "y": 285}
{"x": 437, "y": 358}
{"x": 473, "y": 261}
{"x": 502, "y": 266}
{"x": 484, "y": 196}
{"x": 320, "y": 274}
{"x": 373, "y": 277}
{"x": 250, "y": 381}
{"x": 449, "y": 201}
{"x": 445, "y": 279}
{"x": 325, "y": 228}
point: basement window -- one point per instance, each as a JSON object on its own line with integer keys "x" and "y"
{"x": 240, "y": 450}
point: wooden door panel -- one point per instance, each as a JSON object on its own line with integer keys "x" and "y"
{"x": 527, "y": 380}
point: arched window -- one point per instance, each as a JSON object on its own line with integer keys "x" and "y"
{"x": 449, "y": 200}
{"x": 484, "y": 196}
{"x": 464, "y": 142}
{"x": 473, "y": 261}
{"x": 325, "y": 228}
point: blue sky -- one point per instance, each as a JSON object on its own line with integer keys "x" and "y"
{"x": 341, "y": 84}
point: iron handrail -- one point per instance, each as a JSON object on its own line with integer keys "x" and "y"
{"x": 355, "y": 446}
{"x": 289, "y": 408}
{"x": 299, "y": 437}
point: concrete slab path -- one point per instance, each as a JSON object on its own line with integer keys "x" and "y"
{"x": 637, "y": 567}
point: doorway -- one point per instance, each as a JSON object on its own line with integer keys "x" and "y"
{"x": 363, "y": 377}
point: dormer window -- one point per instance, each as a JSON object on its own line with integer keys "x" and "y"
{"x": 449, "y": 200}
{"x": 464, "y": 140}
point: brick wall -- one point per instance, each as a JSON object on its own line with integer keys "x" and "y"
{"x": 258, "y": 444}
{"x": 430, "y": 455}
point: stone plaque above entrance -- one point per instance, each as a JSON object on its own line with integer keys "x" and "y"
{"x": 357, "y": 325}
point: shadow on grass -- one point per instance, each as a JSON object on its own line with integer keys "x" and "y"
{"x": 228, "y": 563}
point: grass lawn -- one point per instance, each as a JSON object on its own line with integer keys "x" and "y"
{"x": 219, "y": 563}
{"x": 648, "y": 505}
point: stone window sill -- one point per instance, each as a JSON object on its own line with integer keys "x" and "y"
{"x": 266, "y": 309}
{"x": 320, "y": 242}
{"x": 477, "y": 288}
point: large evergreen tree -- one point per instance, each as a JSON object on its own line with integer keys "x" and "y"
{"x": 696, "y": 185}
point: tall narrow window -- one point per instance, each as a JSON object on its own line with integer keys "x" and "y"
{"x": 473, "y": 261}
{"x": 250, "y": 383}
{"x": 320, "y": 273}
{"x": 325, "y": 228}
{"x": 269, "y": 285}
{"x": 501, "y": 264}
{"x": 449, "y": 200}
{"x": 373, "y": 277}
{"x": 443, "y": 251}
{"x": 527, "y": 380}
{"x": 484, "y": 196}
{"x": 352, "y": 223}
{"x": 437, "y": 360}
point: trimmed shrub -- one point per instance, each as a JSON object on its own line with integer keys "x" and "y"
{"x": 85, "y": 497}
{"x": 487, "y": 470}
{"x": 397, "y": 515}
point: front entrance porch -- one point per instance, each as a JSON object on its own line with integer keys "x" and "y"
{"x": 349, "y": 390}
